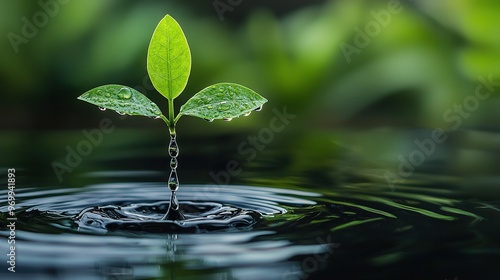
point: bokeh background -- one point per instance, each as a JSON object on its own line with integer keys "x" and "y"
{"x": 354, "y": 111}
{"x": 368, "y": 82}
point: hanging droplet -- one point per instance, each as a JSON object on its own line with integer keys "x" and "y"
{"x": 173, "y": 181}
{"x": 120, "y": 113}
{"x": 228, "y": 119}
{"x": 102, "y": 108}
{"x": 173, "y": 163}
{"x": 247, "y": 114}
{"x": 209, "y": 120}
{"x": 173, "y": 149}
{"x": 125, "y": 93}
{"x": 259, "y": 108}
{"x": 156, "y": 117}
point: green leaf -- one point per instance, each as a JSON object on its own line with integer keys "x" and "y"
{"x": 123, "y": 99}
{"x": 169, "y": 58}
{"x": 223, "y": 101}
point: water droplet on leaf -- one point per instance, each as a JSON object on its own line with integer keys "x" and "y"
{"x": 120, "y": 113}
{"x": 259, "y": 108}
{"x": 209, "y": 120}
{"x": 223, "y": 106}
{"x": 125, "y": 93}
{"x": 228, "y": 119}
{"x": 247, "y": 114}
{"x": 102, "y": 108}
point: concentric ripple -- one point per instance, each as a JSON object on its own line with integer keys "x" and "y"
{"x": 100, "y": 209}
{"x": 232, "y": 232}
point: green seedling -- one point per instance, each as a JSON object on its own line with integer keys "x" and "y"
{"x": 169, "y": 66}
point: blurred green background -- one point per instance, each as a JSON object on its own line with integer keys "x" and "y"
{"x": 408, "y": 64}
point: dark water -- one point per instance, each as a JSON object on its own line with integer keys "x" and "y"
{"x": 308, "y": 224}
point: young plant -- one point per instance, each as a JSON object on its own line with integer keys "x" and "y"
{"x": 169, "y": 66}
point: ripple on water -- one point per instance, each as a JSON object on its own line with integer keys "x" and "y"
{"x": 137, "y": 208}
{"x": 256, "y": 231}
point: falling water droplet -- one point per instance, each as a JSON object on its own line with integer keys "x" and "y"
{"x": 247, "y": 114}
{"x": 173, "y": 212}
{"x": 125, "y": 93}
{"x": 228, "y": 119}
{"x": 209, "y": 120}
{"x": 174, "y": 203}
{"x": 173, "y": 163}
{"x": 102, "y": 108}
{"x": 173, "y": 149}
{"x": 173, "y": 181}
{"x": 259, "y": 108}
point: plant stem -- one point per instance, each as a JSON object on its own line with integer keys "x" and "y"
{"x": 177, "y": 118}
{"x": 171, "y": 123}
{"x": 165, "y": 120}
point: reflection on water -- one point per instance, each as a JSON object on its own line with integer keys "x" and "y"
{"x": 319, "y": 212}
{"x": 46, "y": 220}
{"x": 296, "y": 235}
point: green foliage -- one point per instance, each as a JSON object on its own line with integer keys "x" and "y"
{"x": 122, "y": 99}
{"x": 169, "y": 58}
{"x": 169, "y": 66}
{"x": 222, "y": 101}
